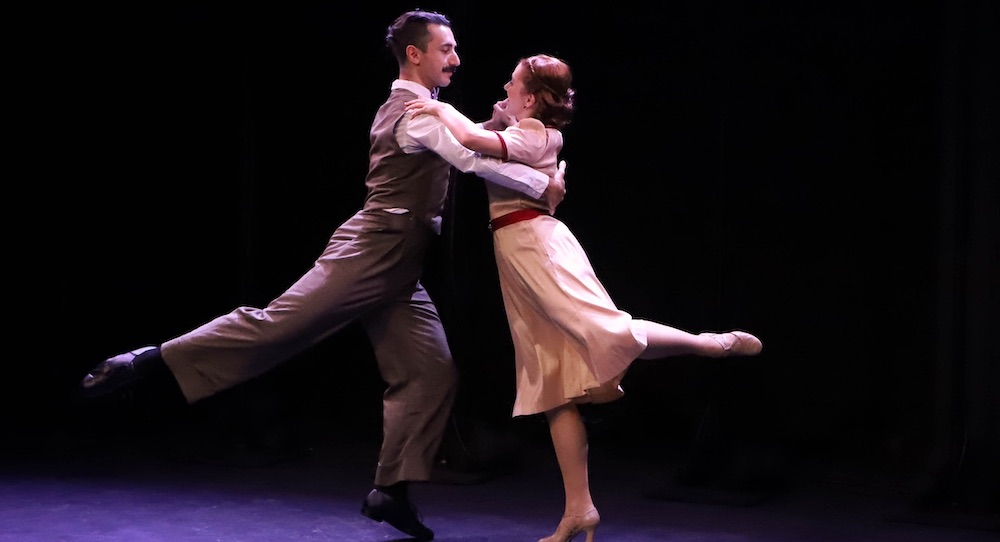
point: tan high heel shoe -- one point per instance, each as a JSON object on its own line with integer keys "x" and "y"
{"x": 737, "y": 343}
{"x": 570, "y": 526}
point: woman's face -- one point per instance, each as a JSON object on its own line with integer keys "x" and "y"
{"x": 520, "y": 102}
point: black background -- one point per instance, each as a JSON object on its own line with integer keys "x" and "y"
{"x": 820, "y": 173}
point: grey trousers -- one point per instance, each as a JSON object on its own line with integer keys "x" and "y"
{"x": 369, "y": 272}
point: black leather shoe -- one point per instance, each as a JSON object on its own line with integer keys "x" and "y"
{"x": 112, "y": 374}
{"x": 400, "y": 513}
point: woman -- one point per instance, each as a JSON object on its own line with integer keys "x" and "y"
{"x": 571, "y": 343}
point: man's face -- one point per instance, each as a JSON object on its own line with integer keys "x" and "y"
{"x": 438, "y": 63}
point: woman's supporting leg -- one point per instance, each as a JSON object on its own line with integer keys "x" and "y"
{"x": 569, "y": 438}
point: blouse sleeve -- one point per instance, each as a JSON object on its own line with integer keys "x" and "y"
{"x": 526, "y": 142}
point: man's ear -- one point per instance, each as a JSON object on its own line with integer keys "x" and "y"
{"x": 413, "y": 54}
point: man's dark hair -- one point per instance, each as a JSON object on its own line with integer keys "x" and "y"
{"x": 410, "y": 28}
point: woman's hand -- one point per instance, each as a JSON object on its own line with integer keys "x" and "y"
{"x": 425, "y": 105}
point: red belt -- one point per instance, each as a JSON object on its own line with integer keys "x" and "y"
{"x": 514, "y": 216}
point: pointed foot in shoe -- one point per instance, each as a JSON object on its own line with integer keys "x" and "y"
{"x": 739, "y": 343}
{"x": 400, "y": 513}
{"x": 111, "y": 375}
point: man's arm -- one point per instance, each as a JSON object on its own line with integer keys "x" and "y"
{"x": 468, "y": 134}
{"x": 430, "y": 133}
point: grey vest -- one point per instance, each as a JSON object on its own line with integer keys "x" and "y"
{"x": 418, "y": 181}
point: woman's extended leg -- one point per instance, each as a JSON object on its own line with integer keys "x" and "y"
{"x": 664, "y": 341}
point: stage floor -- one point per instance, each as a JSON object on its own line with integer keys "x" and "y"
{"x": 156, "y": 486}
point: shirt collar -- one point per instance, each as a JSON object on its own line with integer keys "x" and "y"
{"x": 413, "y": 87}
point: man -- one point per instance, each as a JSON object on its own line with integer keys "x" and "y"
{"x": 370, "y": 272}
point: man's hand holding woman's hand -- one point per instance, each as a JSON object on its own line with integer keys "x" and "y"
{"x": 500, "y": 115}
